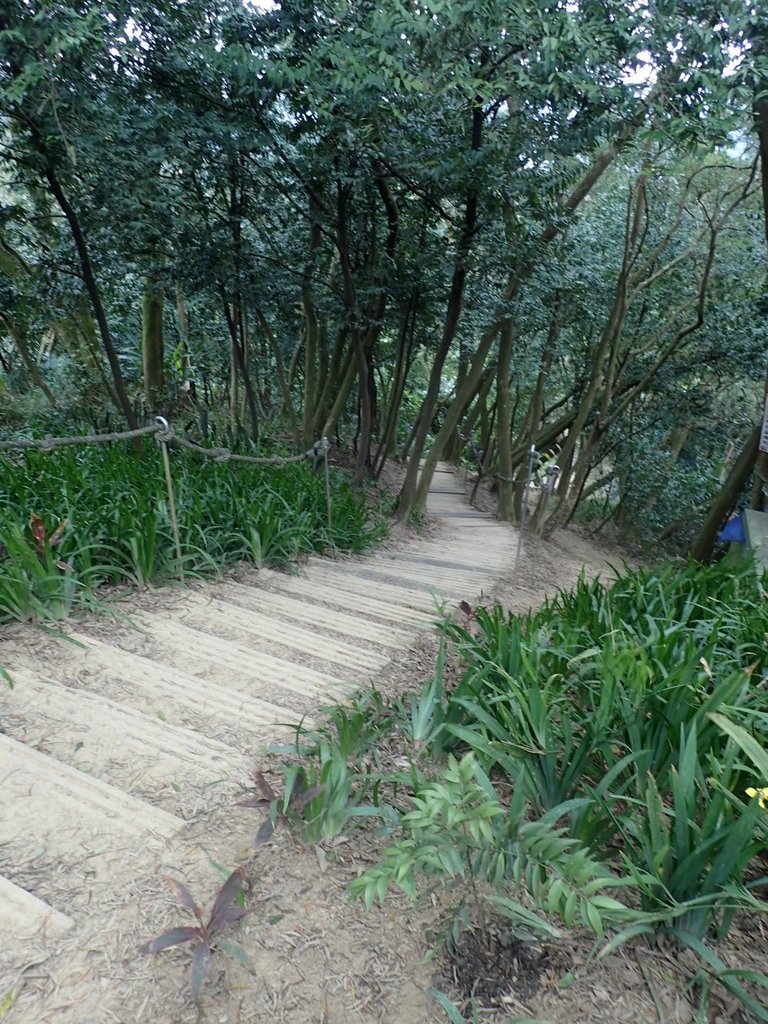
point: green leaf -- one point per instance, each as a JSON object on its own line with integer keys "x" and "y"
{"x": 746, "y": 741}
{"x": 723, "y": 974}
{"x": 236, "y": 951}
{"x": 7, "y": 1002}
{"x": 451, "y": 1010}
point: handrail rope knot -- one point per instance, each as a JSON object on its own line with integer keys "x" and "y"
{"x": 221, "y": 454}
{"x": 165, "y": 433}
{"x": 48, "y": 444}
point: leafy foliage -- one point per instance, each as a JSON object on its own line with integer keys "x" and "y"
{"x": 614, "y": 741}
{"x": 112, "y": 507}
{"x": 228, "y": 908}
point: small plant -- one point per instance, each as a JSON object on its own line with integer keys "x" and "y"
{"x": 350, "y": 730}
{"x": 458, "y": 832}
{"x": 455, "y": 1016}
{"x": 421, "y": 716}
{"x": 228, "y": 908}
{"x": 290, "y": 808}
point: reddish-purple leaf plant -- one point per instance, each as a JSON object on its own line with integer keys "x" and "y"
{"x": 295, "y": 799}
{"x": 226, "y": 911}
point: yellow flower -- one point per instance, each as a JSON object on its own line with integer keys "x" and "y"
{"x": 761, "y": 794}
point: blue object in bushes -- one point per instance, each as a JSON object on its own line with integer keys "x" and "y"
{"x": 733, "y": 530}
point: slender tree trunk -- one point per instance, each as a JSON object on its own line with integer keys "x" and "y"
{"x": 296, "y": 431}
{"x": 234, "y": 385}
{"x": 356, "y": 335}
{"x": 152, "y": 347}
{"x": 409, "y": 492}
{"x": 402, "y": 363}
{"x": 504, "y": 430}
{"x": 347, "y": 383}
{"x": 310, "y": 329}
{"x": 675, "y": 443}
{"x": 335, "y": 382}
{"x": 30, "y": 365}
{"x": 94, "y": 295}
{"x": 703, "y": 545}
{"x": 600, "y": 163}
{"x": 188, "y": 383}
{"x": 235, "y": 313}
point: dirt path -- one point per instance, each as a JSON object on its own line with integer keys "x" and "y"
{"x": 123, "y": 750}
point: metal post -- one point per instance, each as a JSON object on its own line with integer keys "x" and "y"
{"x": 524, "y": 511}
{"x": 326, "y": 448}
{"x": 169, "y": 484}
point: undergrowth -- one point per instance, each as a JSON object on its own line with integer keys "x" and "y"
{"x": 601, "y": 762}
{"x": 76, "y": 518}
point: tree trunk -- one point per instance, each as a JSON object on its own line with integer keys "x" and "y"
{"x": 188, "y": 383}
{"x": 335, "y": 383}
{"x": 600, "y": 163}
{"x": 409, "y": 489}
{"x": 296, "y": 431}
{"x": 347, "y": 383}
{"x": 761, "y": 126}
{"x": 152, "y": 341}
{"x": 402, "y": 365}
{"x": 30, "y": 365}
{"x": 94, "y": 295}
{"x": 504, "y": 430}
{"x": 310, "y": 330}
{"x": 725, "y": 502}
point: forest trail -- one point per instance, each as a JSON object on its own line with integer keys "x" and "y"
{"x": 117, "y": 743}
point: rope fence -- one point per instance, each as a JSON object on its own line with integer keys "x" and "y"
{"x": 49, "y": 444}
{"x": 166, "y": 436}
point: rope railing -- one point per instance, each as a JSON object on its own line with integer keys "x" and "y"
{"x": 167, "y": 436}
{"x": 48, "y": 443}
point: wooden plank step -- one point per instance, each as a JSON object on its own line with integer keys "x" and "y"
{"x": 311, "y": 610}
{"x": 261, "y": 632}
{"x": 142, "y": 755}
{"x": 352, "y": 601}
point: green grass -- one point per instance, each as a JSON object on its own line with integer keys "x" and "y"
{"x": 118, "y": 527}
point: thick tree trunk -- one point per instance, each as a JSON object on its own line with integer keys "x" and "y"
{"x": 761, "y": 126}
